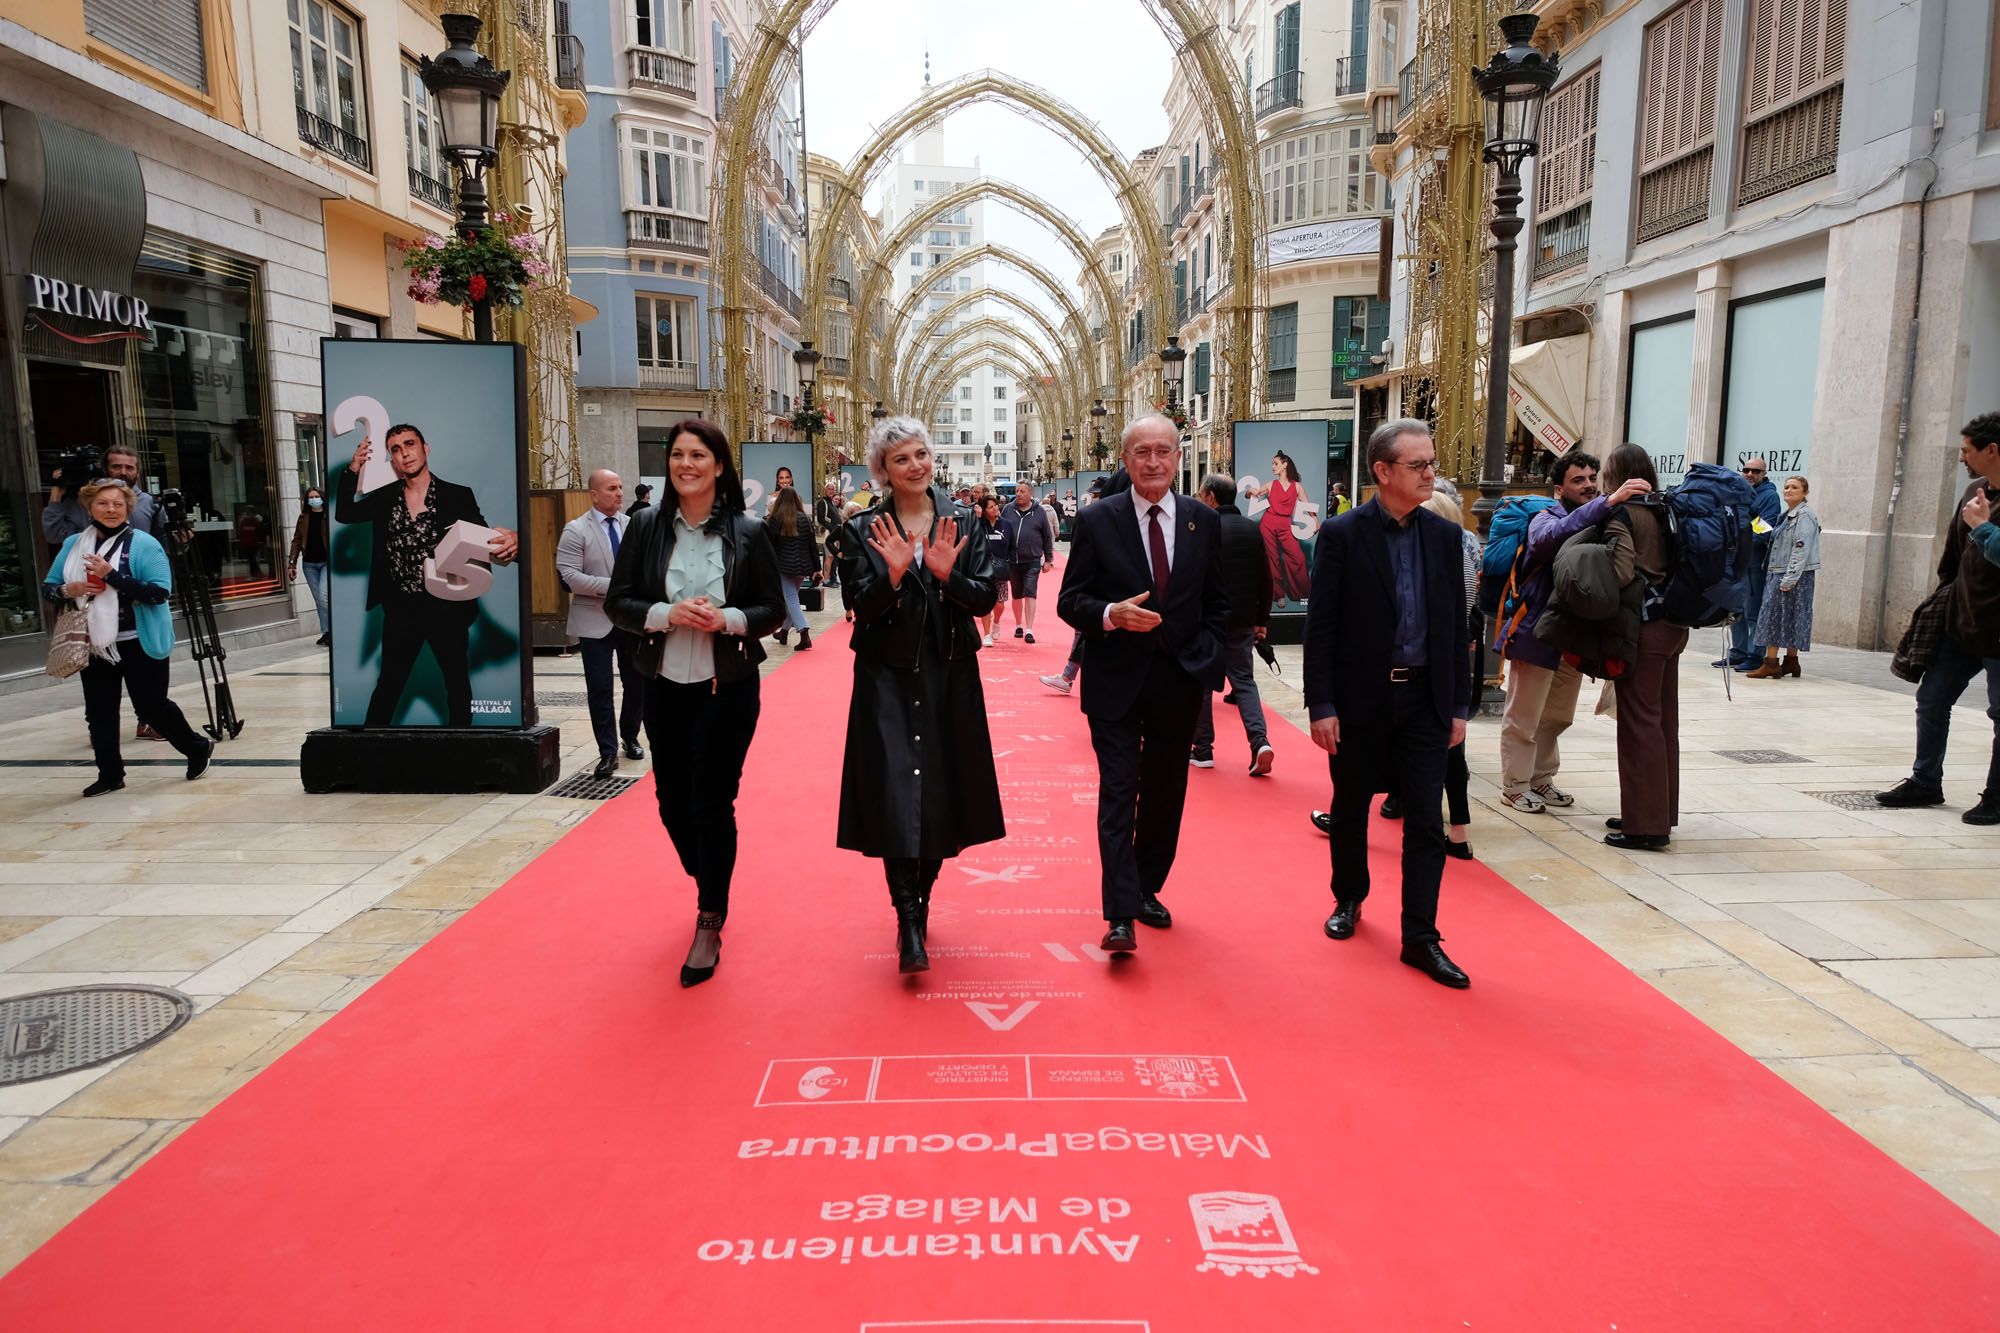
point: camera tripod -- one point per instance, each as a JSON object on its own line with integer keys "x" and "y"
{"x": 204, "y": 641}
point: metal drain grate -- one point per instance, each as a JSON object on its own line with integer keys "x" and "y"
{"x": 1764, "y": 756}
{"x": 1848, "y": 800}
{"x": 585, "y": 787}
{"x": 56, "y": 1031}
{"x": 562, "y": 699}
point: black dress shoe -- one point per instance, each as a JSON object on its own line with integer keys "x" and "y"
{"x": 1614, "y": 823}
{"x": 1392, "y": 807}
{"x": 198, "y": 765}
{"x": 632, "y": 750}
{"x": 1637, "y": 842}
{"x": 1909, "y": 794}
{"x": 607, "y": 766}
{"x": 1119, "y": 939}
{"x": 1430, "y": 959}
{"x": 103, "y": 785}
{"x": 1459, "y": 851}
{"x": 1154, "y": 913}
{"x": 1346, "y": 916}
{"x": 1323, "y": 821}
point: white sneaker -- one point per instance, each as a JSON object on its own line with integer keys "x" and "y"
{"x": 1060, "y": 684}
{"x": 1260, "y": 766}
{"x": 987, "y": 640}
{"x": 1553, "y": 795}
{"x": 1526, "y": 802}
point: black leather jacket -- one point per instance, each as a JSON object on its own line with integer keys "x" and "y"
{"x": 749, "y": 580}
{"x": 889, "y": 621}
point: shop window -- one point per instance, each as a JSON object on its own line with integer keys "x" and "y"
{"x": 165, "y": 34}
{"x": 327, "y": 80}
{"x": 201, "y": 413}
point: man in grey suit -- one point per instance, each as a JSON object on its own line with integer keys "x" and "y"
{"x": 584, "y": 557}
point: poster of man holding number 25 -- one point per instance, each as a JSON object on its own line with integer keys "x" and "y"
{"x": 417, "y": 562}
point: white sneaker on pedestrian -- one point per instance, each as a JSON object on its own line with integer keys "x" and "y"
{"x": 1553, "y": 795}
{"x": 1060, "y": 684}
{"x": 1260, "y": 763}
{"x": 1201, "y": 758}
{"x": 986, "y": 639}
{"x": 1526, "y": 802}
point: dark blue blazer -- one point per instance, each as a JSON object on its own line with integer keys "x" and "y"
{"x": 1107, "y": 563}
{"x": 1351, "y": 617}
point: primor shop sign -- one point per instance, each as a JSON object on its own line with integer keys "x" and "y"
{"x": 128, "y": 315}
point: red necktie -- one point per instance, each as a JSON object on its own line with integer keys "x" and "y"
{"x": 1156, "y": 542}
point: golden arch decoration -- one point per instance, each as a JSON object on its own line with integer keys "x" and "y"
{"x": 1224, "y": 101}
{"x": 1026, "y": 202}
{"x": 1069, "y": 358}
{"x": 931, "y": 359}
{"x": 932, "y": 393}
{"x": 1072, "y": 316}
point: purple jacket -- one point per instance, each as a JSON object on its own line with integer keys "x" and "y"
{"x": 1546, "y": 534}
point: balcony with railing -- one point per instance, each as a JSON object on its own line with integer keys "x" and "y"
{"x": 1562, "y": 243}
{"x": 668, "y": 375}
{"x": 661, "y": 71}
{"x": 839, "y": 367}
{"x": 328, "y": 137}
{"x": 1277, "y": 94}
{"x": 840, "y": 289}
{"x": 1282, "y": 386}
{"x": 1388, "y": 116}
{"x": 1415, "y": 82}
{"x": 430, "y": 190}
{"x": 1791, "y": 146}
{"x": 666, "y": 231}
{"x": 1191, "y": 198}
{"x": 1197, "y": 303}
{"x": 569, "y": 62}
{"x": 775, "y": 288}
{"x": 1674, "y": 194}
{"x": 1350, "y": 76}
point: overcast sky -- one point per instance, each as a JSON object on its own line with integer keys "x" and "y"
{"x": 865, "y": 61}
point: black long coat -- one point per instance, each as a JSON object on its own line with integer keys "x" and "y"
{"x": 917, "y": 777}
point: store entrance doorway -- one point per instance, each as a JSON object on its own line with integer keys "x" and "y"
{"x": 72, "y": 406}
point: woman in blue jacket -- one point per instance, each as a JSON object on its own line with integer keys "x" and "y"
{"x": 120, "y": 579}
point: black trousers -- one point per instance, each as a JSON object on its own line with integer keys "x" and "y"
{"x": 1142, "y": 777}
{"x": 1403, "y": 752}
{"x": 598, "y": 655}
{"x": 408, "y": 623}
{"x": 145, "y": 680}
{"x": 699, "y": 735}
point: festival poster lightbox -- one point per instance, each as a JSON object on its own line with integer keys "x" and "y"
{"x": 1288, "y": 515}
{"x": 761, "y": 462}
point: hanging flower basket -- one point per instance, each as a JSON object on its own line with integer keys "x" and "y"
{"x": 1176, "y": 414}
{"x": 811, "y": 420}
{"x": 500, "y": 266}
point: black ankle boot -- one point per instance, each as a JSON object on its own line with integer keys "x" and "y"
{"x": 908, "y": 897}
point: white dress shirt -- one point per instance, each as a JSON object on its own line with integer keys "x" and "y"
{"x": 1142, "y": 508}
{"x": 696, "y": 569}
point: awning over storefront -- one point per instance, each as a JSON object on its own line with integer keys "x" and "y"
{"x": 76, "y": 215}
{"x": 1546, "y": 387}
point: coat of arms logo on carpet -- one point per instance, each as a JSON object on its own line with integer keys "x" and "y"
{"x": 1177, "y": 1075}
{"x": 1245, "y": 1233}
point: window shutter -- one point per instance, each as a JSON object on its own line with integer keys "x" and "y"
{"x": 1566, "y": 167}
{"x": 1201, "y": 368}
{"x": 166, "y": 34}
{"x": 1678, "y": 71}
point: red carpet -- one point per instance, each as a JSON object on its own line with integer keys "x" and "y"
{"x": 529, "y": 1126}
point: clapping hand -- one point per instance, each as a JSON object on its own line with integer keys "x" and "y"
{"x": 942, "y": 551}
{"x": 897, "y": 551}
{"x": 1128, "y": 614}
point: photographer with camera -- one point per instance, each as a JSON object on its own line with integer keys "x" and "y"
{"x": 64, "y": 515}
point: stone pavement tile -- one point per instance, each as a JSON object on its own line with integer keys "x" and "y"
{"x": 1802, "y": 938}
{"x": 1808, "y": 822}
{"x": 1772, "y": 886}
{"x": 281, "y": 988}
{"x": 279, "y": 900}
{"x": 36, "y": 1212}
{"x": 1640, "y": 938}
{"x": 305, "y": 839}
{"x": 10, "y": 1123}
{"x": 1840, "y": 854}
{"x": 1932, "y": 988}
{"x": 1666, "y": 897}
{"x": 13, "y": 927}
{"x": 307, "y": 1024}
{"x": 1760, "y": 1016}
{"x": 389, "y": 926}
{"x": 1973, "y": 1073}
{"x": 1978, "y": 1192}
{"x": 246, "y": 964}
{"x": 1886, "y": 930}
{"x": 44, "y": 1095}
{"x": 31, "y": 944}
{"x": 1981, "y": 1032}
{"x": 1556, "y": 881}
{"x": 1935, "y": 884}
{"x": 27, "y": 983}
{"x": 57, "y": 1148}
{"x": 352, "y": 960}
{"x": 155, "y": 944}
{"x": 128, "y": 1159}
{"x": 165, "y": 1087}
{"x": 71, "y": 899}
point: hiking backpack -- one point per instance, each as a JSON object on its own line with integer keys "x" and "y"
{"x": 1708, "y": 521}
{"x": 1500, "y": 575}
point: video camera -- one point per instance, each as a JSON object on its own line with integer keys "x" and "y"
{"x": 77, "y": 467}
{"x": 174, "y": 505}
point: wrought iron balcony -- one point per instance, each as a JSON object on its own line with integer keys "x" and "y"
{"x": 775, "y": 288}
{"x": 839, "y": 367}
{"x": 1197, "y": 303}
{"x": 840, "y": 289}
{"x": 666, "y": 231}
{"x": 1198, "y": 190}
{"x": 1674, "y": 194}
{"x": 669, "y": 375}
{"x": 662, "y": 71}
{"x": 328, "y": 137}
{"x": 1278, "y": 94}
{"x": 569, "y": 62}
{"x": 1283, "y": 385}
{"x": 1791, "y": 146}
{"x": 430, "y": 190}
{"x": 1350, "y": 76}
{"x": 1562, "y": 243}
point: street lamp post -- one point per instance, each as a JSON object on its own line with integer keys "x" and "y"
{"x": 807, "y": 360}
{"x": 1097, "y": 414}
{"x": 1514, "y": 85}
{"x": 468, "y": 88}
{"x": 1173, "y": 368}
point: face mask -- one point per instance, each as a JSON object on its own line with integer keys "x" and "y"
{"x": 317, "y": 503}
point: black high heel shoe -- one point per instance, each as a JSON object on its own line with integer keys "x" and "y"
{"x": 694, "y": 976}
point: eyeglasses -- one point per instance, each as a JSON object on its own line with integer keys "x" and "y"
{"x": 1420, "y": 467}
{"x": 1753, "y": 472}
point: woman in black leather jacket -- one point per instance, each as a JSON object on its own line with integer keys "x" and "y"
{"x": 697, "y": 580}
{"x": 917, "y": 785}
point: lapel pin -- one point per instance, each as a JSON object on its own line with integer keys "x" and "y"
{"x": 1190, "y": 525}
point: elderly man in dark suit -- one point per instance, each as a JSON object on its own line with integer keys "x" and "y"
{"x": 1385, "y": 681}
{"x": 1144, "y": 587}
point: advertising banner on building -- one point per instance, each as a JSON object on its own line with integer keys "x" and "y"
{"x": 1348, "y": 238}
{"x": 427, "y": 462}
{"x": 766, "y": 467}
{"x": 1281, "y": 484}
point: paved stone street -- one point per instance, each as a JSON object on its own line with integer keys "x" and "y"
{"x": 1856, "y": 951}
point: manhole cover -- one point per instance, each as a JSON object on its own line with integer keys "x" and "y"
{"x": 584, "y": 787}
{"x": 562, "y": 699}
{"x": 1764, "y": 756}
{"x": 1849, "y": 800}
{"x": 55, "y": 1031}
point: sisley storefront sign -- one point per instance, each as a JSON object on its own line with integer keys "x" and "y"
{"x": 99, "y": 304}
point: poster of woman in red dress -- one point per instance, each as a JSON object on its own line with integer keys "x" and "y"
{"x": 1288, "y": 560}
